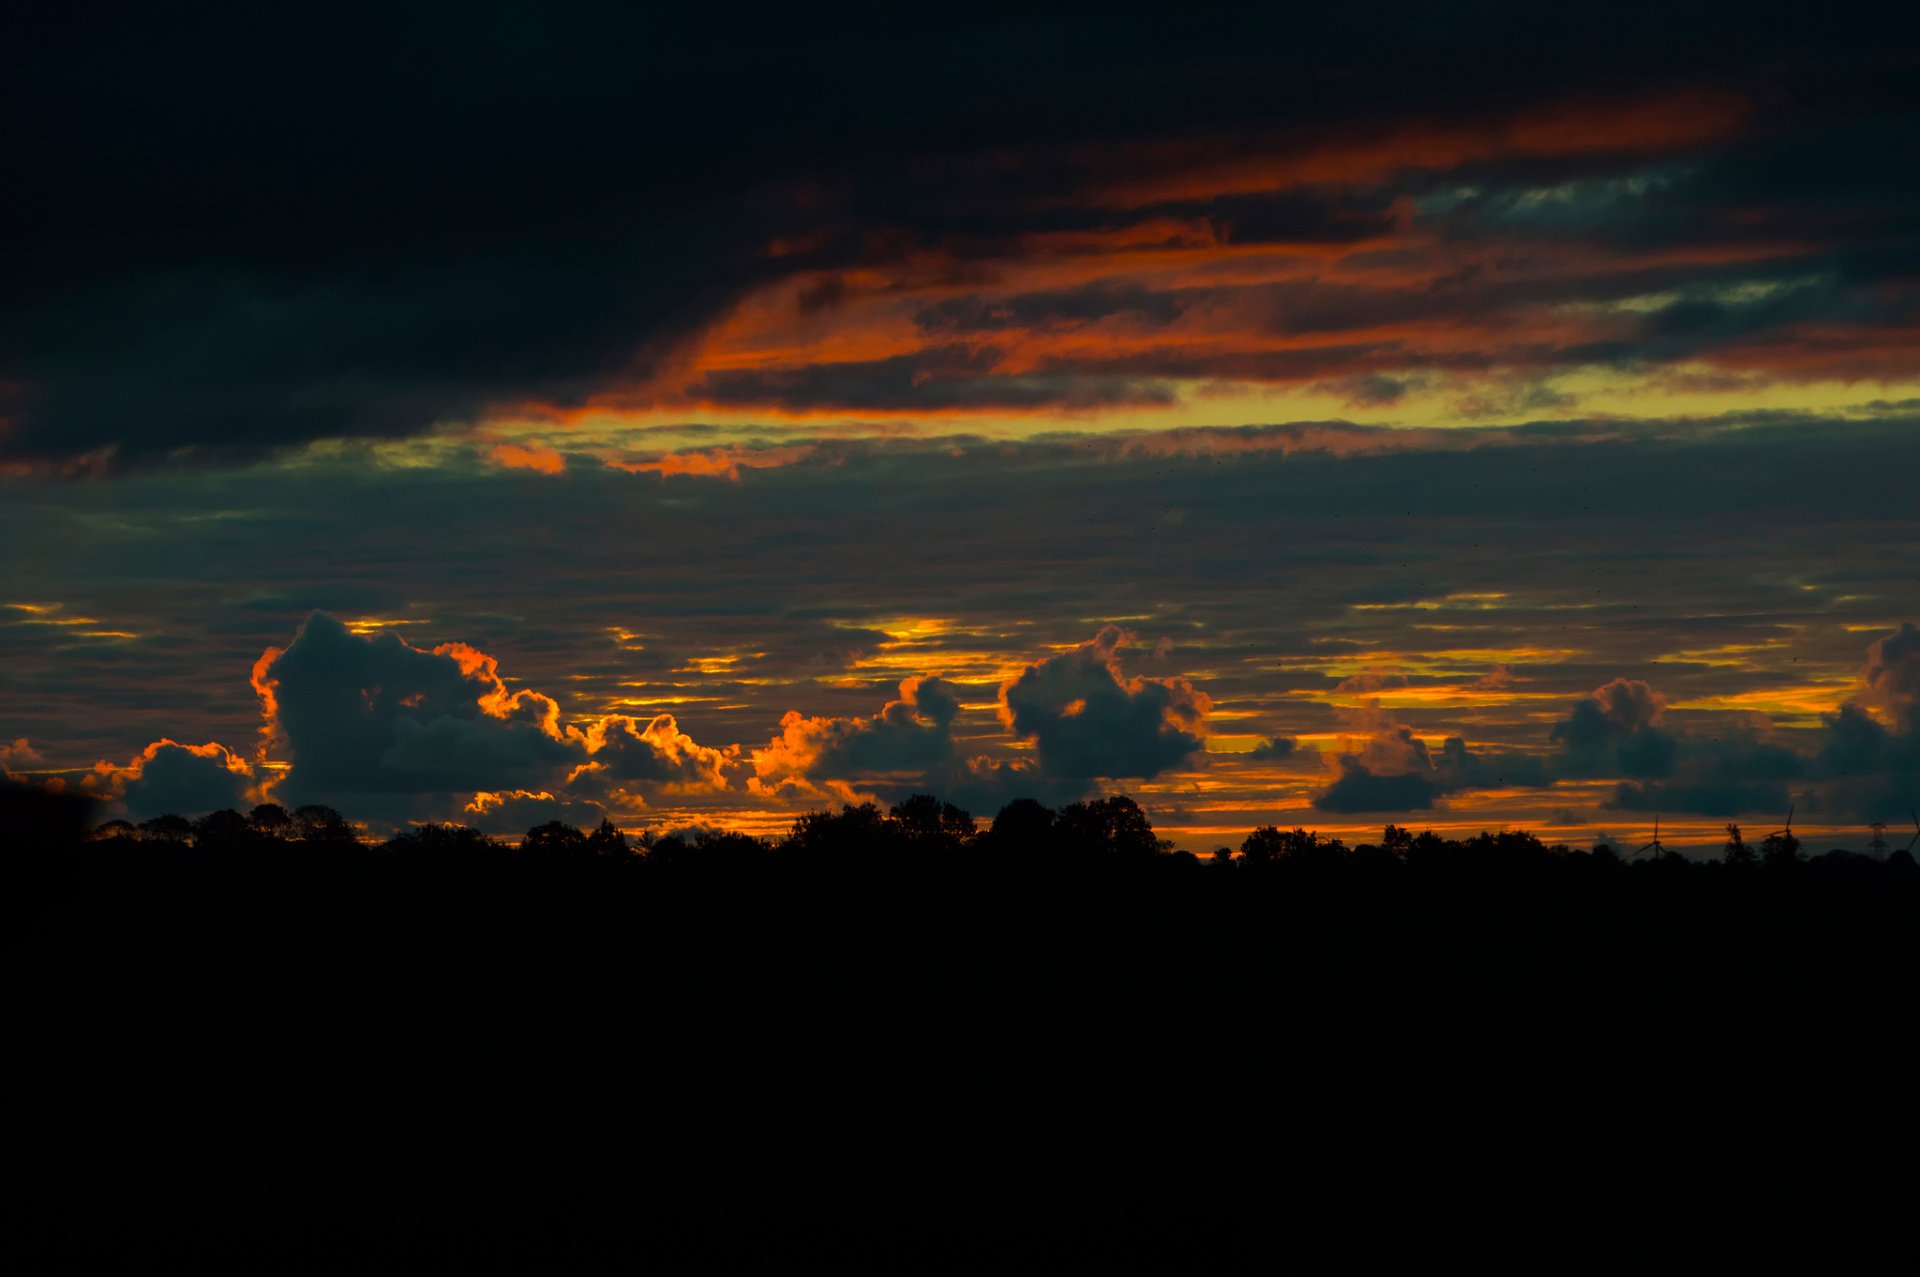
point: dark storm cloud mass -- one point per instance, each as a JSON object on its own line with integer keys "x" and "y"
{"x": 228, "y": 232}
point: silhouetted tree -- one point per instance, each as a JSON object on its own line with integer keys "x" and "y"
{"x": 317, "y": 823}
{"x": 168, "y": 828}
{"x": 114, "y": 829}
{"x": 225, "y": 828}
{"x": 608, "y": 841}
{"x": 853, "y": 837}
{"x": 451, "y": 842}
{"x": 931, "y": 823}
{"x": 554, "y": 840}
{"x": 1736, "y": 852}
{"x": 1263, "y": 846}
{"x": 1113, "y": 828}
{"x": 1268, "y": 844}
{"x": 1023, "y": 828}
{"x": 271, "y": 820}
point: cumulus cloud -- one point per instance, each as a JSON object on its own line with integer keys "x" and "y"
{"x": 515, "y": 811}
{"x": 1273, "y": 748}
{"x": 658, "y": 753}
{"x": 376, "y": 723}
{"x": 1616, "y": 732}
{"x": 1869, "y": 754}
{"x": 18, "y": 755}
{"x": 911, "y": 735}
{"x": 168, "y": 778}
{"x": 1892, "y": 675}
{"x": 1088, "y": 720}
{"x": 1391, "y": 769}
{"x": 1865, "y": 762}
{"x": 374, "y": 715}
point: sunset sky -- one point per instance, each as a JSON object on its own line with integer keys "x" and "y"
{"x": 1463, "y": 416}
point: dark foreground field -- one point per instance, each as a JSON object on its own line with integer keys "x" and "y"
{"x": 291, "y": 1058}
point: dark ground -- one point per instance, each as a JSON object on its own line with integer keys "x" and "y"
{"x": 304, "y": 1064}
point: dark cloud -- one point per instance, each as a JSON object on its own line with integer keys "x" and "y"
{"x": 626, "y": 752}
{"x": 1087, "y": 719}
{"x": 1616, "y": 732}
{"x": 374, "y": 723}
{"x": 1893, "y": 669}
{"x": 933, "y": 380}
{"x": 1391, "y": 769}
{"x": 516, "y": 811}
{"x": 912, "y": 735}
{"x": 1701, "y": 798}
{"x": 252, "y": 232}
{"x": 1360, "y": 789}
{"x": 1052, "y": 310}
{"x": 373, "y": 715}
{"x": 1272, "y": 748}
{"x": 183, "y": 780}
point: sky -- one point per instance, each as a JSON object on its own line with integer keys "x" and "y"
{"x": 1462, "y": 416}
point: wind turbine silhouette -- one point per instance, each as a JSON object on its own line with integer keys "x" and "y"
{"x": 1788, "y": 831}
{"x": 1654, "y": 846}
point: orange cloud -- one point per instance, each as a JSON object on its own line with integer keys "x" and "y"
{"x": 17, "y": 755}
{"x": 531, "y": 456}
{"x": 723, "y": 463}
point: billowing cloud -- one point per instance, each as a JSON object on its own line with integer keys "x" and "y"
{"x": 1388, "y": 768}
{"x": 1087, "y": 719}
{"x": 374, "y": 722}
{"x": 625, "y": 753}
{"x": 912, "y": 735}
{"x": 373, "y": 715}
{"x": 1616, "y": 732}
{"x": 168, "y": 778}
{"x": 1869, "y": 755}
{"x": 17, "y": 756}
{"x": 1892, "y": 675}
{"x": 515, "y": 811}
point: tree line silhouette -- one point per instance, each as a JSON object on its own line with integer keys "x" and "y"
{"x": 446, "y": 1052}
{"x": 1108, "y": 833}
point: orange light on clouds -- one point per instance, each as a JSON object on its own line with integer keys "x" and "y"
{"x": 531, "y": 456}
